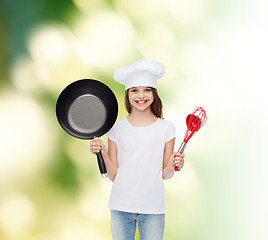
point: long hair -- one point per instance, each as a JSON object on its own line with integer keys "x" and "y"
{"x": 156, "y": 106}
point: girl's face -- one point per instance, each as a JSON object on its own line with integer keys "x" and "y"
{"x": 141, "y": 98}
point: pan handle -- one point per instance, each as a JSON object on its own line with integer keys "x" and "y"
{"x": 101, "y": 164}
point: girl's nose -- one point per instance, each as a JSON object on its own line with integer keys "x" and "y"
{"x": 140, "y": 94}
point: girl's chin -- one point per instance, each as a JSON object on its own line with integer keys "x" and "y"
{"x": 141, "y": 108}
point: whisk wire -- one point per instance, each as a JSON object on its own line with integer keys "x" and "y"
{"x": 194, "y": 122}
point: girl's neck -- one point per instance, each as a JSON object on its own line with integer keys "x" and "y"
{"x": 141, "y": 119}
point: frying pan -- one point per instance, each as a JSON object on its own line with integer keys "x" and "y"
{"x": 86, "y": 109}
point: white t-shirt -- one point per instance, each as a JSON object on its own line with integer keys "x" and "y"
{"x": 138, "y": 186}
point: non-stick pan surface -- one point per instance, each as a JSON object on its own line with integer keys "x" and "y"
{"x": 86, "y": 109}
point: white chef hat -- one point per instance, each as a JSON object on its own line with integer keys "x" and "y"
{"x": 142, "y": 72}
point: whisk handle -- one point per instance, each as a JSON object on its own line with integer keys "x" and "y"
{"x": 181, "y": 150}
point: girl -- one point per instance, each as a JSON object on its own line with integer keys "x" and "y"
{"x": 140, "y": 155}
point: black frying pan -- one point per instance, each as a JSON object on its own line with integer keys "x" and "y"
{"x": 86, "y": 109}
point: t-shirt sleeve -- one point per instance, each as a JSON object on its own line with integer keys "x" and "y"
{"x": 111, "y": 134}
{"x": 170, "y": 132}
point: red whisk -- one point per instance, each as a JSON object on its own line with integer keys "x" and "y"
{"x": 194, "y": 122}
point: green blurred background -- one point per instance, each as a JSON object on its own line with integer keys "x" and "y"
{"x": 215, "y": 53}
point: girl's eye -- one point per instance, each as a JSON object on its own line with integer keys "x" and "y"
{"x": 133, "y": 90}
{"x": 148, "y": 89}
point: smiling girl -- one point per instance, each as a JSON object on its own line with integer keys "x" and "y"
{"x": 140, "y": 155}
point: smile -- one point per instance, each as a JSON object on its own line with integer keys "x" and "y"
{"x": 141, "y": 102}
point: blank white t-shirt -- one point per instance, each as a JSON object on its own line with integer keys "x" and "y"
{"x": 138, "y": 186}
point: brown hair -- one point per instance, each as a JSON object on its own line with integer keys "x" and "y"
{"x": 156, "y": 106}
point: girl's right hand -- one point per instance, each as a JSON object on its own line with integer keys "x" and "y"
{"x": 96, "y": 145}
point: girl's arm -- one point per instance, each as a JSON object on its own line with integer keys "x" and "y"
{"x": 171, "y": 159}
{"x": 109, "y": 157}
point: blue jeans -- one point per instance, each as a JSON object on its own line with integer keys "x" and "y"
{"x": 151, "y": 226}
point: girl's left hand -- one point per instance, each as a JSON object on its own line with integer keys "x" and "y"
{"x": 176, "y": 160}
